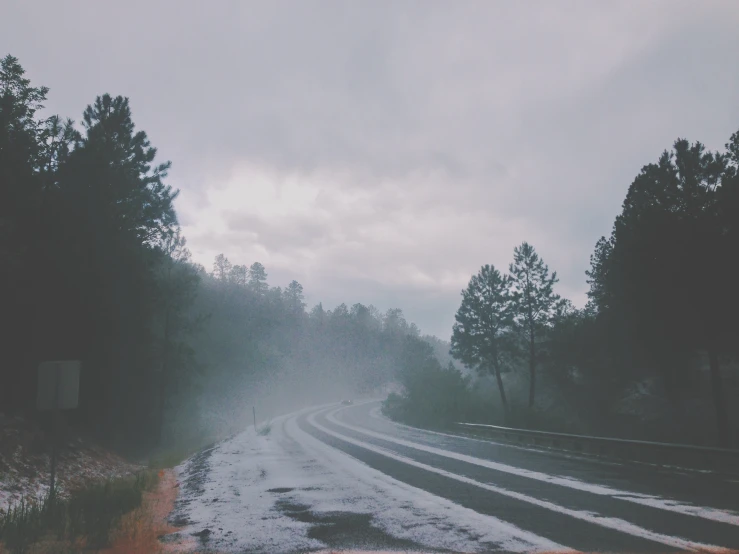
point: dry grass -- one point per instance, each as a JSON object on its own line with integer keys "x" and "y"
{"x": 139, "y": 530}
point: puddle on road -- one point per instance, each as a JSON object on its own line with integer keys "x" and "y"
{"x": 346, "y": 530}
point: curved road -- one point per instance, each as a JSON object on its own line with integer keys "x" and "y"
{"x": 580, "y": 503}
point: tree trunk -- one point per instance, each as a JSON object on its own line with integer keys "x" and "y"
{"x": 163, "y": 379}
{"x": 503, "y": 399}
{"x": 532, "y": 369}
{"x": 160, "y": 422}
{"x": 675, "y": 394}
{"x": 722, "y": 418}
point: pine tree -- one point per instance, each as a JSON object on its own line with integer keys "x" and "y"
{"x": 482, "y": 322}
{"x": 533, "y": 301}
{"x": 258, "y": 278}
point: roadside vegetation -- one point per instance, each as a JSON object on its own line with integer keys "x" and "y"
{"x": 264, "y": 429}
{"x": 652, "y": 355}
{"x": 88, "y": 518}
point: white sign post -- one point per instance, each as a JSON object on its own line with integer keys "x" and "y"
{"x": 58, "y": 389}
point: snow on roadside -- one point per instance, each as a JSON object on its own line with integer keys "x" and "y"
{"x": 225, "y": 496}
{"x": 25, "y": 464}
{"x": 266, "y": 493}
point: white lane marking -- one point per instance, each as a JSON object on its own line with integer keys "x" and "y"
{"x": 713, "y": 514}
{"x": 609, "y": 522}
{"x": 408, "y": 512}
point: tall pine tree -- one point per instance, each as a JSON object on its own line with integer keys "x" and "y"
{"x": 534, "y": 302}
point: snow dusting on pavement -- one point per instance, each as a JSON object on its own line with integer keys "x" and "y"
{"x": 289, "y": 492}
{"x": 724, "y": 516}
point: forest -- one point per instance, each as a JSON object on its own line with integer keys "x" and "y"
{"x": 95, "y": 268}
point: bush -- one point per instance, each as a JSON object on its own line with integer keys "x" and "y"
{"x": 23, "y": 525}
{"x": 91, "y": 514}
{"x": 433, "y": 395}
{"x": 265, "y": 429}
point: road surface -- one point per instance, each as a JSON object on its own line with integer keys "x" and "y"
{"x": 346, "y": 477}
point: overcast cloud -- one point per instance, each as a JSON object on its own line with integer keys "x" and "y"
{"x": 381, "y": 152}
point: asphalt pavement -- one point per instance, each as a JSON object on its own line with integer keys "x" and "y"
{"x": 582, "y": 503}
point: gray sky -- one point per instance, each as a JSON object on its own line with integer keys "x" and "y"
{"x": 381, "y": 152}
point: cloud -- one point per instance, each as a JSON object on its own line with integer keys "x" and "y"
{"x": 382, "y": 151}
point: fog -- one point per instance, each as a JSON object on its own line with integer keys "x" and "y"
{"x": 523, "y": 215}
{"x": 378, "y": 155}
{"x": 259, "y": 347}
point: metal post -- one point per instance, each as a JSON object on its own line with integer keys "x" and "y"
{"x": 54, "y": 422}
{"x": 254, "y": 411}
{"x": 53, "y": 464}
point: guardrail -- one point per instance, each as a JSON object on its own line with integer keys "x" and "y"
{"x": 662, "y": 453}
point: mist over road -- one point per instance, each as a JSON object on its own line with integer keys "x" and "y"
{"x": 346, "y": 477}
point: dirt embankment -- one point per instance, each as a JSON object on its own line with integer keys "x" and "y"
{"x": 141, "y": 530}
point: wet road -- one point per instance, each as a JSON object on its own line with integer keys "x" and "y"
{"x": 580, "y": 503}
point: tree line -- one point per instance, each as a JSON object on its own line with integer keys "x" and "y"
{"x": 663, "y": 304}
{"x": 262, "y": 346}
{"x": 665, "y": 281}
{"x": 95, "y": 268}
